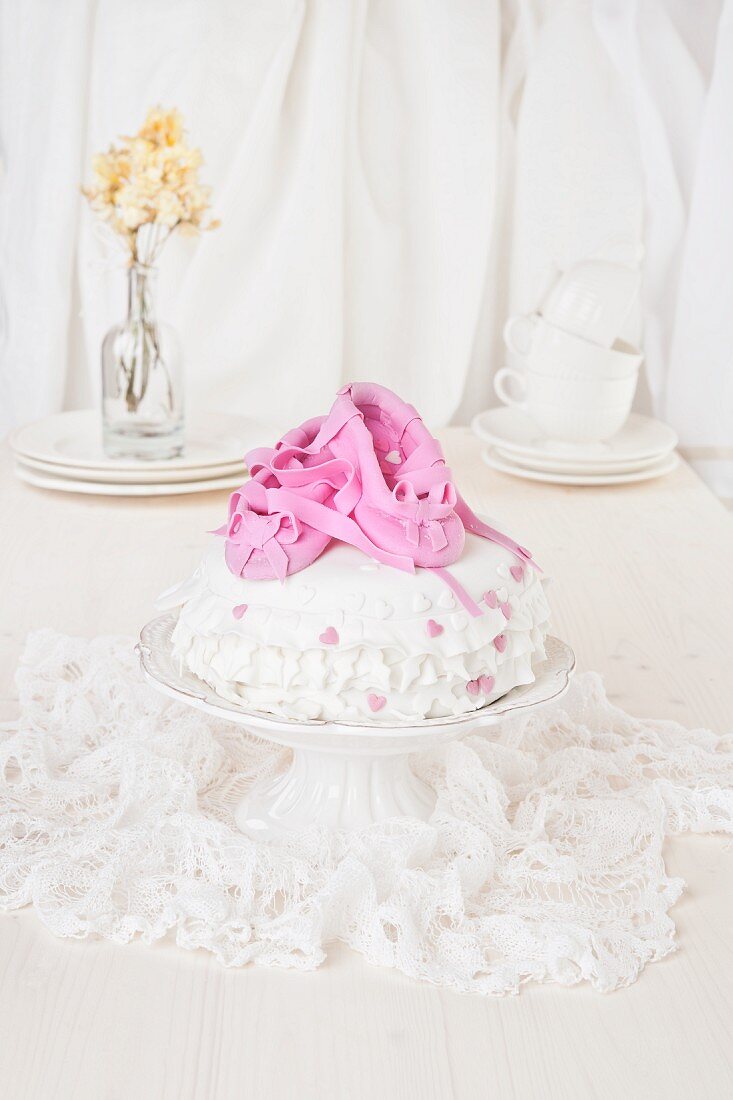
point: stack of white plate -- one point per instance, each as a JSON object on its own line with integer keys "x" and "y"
{"x": 64, "y": 452}
{"x": 643, "y": 449}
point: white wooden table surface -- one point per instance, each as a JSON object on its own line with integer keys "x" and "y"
{"x": 642, "y": 588}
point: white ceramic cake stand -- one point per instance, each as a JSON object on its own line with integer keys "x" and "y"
{"x": 342, "y": 774}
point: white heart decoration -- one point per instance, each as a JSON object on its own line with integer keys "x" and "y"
{"x": 459, "y": 621}
{"x": 503, "y": 571}
{"x": 420, "y": 602}
{"x": 306, "y": 593}
{"x": 382, "y": 610}
{"x": 354, "y": 601}
{"x": 446, "y": 599}
{"x": 503, "y": 594}
{"x": 393, "y": 457}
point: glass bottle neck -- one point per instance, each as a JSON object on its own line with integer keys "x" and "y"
{"x": 141, "y": 293}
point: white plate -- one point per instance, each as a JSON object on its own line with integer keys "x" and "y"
{"x": 640, "y": 438}
{"x": 107, "y": 488}
{"x": 74, "y": 440}
{"x": 133, "y": 477}
{"x": 657, "y": 469}
{"x": 560, "y": 466}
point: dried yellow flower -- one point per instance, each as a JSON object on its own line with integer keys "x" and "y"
{"x": 150, "y": 181}
{"x": 162, "y": 127}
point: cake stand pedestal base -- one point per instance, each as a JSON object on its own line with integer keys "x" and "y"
{"x": 336, "y": 790}
{"x": 343, "y": 775}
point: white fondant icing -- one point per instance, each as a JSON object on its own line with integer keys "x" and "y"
{"x": 420, "y": 602}
{"x": 272, "y": 658}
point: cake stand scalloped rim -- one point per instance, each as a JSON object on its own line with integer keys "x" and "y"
{"x": 552, "y": 678}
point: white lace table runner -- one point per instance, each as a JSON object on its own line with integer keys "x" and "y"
{"x": 543, "y": 859}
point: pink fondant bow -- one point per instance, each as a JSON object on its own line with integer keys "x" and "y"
{"x": 425, "y": 512}
{"x": 248, "y": 531}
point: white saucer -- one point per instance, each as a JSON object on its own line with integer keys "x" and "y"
{"x": 140, "y": 476}
{"x": 215, "y": 444}
{"x": 553, "y": 465}
{"x": 665, "y": 465}
{"x": 137, "y": 489}
{"x": 516, "y": 433}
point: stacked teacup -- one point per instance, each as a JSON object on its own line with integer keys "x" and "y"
{"x": 578, "y": 378}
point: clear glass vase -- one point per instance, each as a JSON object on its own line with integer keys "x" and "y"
{"x": 142, "y": 379}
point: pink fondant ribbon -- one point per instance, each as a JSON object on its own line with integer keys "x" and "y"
{"x": 472, "y": 523}
{"x": 457, "y": 588}
{"x": 338, "y": 526}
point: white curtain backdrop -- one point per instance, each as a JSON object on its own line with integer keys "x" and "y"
{"x": 393, "y": 177}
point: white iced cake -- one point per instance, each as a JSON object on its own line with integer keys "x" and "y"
{"x": 350, "y": 640}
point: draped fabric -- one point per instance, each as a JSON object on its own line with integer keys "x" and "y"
{"x": 392, "y": 180}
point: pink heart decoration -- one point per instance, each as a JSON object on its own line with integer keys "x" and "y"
{"x": 239, "y": 610}
{"x": 500, "y": 642}
{"x": 434, "y": 629}
{"x": 517, "y": 571}
{"x": 506, "y": 609}
{"x": 472, "y": 687}
{"x": 329, "y": 636}
{"x": 486, "y": 684}
{"x": 376, "y": 702}
{"x": 491, "y": 599}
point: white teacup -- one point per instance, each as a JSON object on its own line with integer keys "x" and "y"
{"x": 550, "y": 350}
{"x": 593, "y": 299}
{"x": 575, "y": 410}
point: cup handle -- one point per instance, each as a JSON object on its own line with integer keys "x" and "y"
{"x": 502, "y": 378}
{"x": 519, "y": 333}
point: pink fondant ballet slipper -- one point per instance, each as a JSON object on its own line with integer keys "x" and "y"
{"x": 409, "y": 503}
{"x": 263, "y": 541}
{"x": 406, "y": 500}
